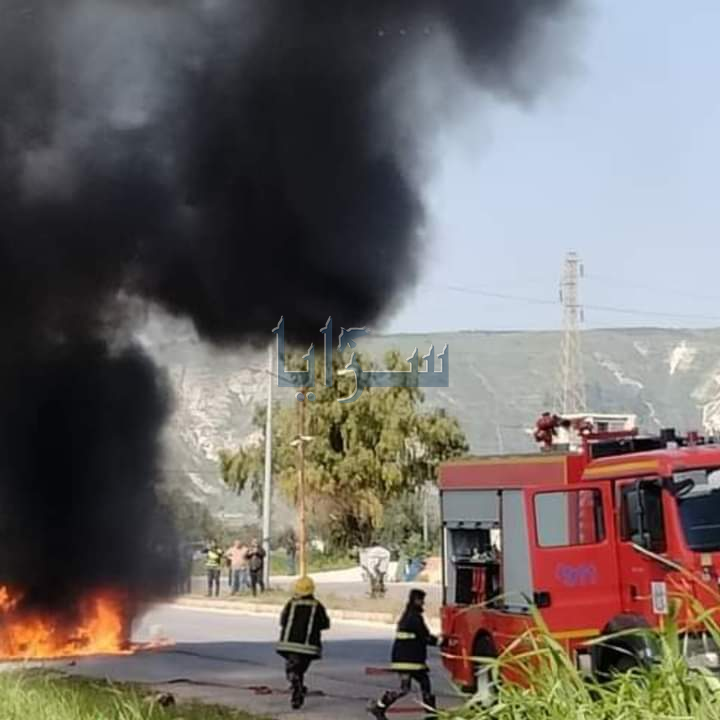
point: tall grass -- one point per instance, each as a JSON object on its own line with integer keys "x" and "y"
{"x": 34, "y": 696}
{"x": 551, "y": 687}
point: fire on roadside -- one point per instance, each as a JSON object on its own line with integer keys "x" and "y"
{"x": 98, "y": 626}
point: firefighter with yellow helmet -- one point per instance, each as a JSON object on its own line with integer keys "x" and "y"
{"x": 302, "y": 623}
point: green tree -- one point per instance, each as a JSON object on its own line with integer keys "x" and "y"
{"x": 401, "y": 530}
{"x": 363, "y": 454}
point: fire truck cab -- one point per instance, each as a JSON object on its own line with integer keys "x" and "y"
{"x": 597, "y": 533}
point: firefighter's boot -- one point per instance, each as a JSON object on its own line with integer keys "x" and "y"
{"x": 430, "y": 707}
{"x": 299, "y": 691}
{"x": 377, "y": 710}
{"x": 298, "y": 697}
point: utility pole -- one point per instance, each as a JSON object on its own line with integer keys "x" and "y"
{"x": 301, "y": 487}
{"x": 267, "y": 487}
{"x": 299, "y": 442}
{"x": 571, "y": 396}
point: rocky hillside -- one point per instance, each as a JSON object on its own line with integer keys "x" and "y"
{"x": 499, "y": 383}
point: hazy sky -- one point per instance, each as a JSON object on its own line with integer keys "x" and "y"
{"x": 619, "y": 160}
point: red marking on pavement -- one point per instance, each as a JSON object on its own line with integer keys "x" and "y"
{"x": 379, "y": 671}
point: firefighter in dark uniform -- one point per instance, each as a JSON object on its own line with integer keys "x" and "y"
{"x": 409, "y": 657}
{"x": 302, "y": 621}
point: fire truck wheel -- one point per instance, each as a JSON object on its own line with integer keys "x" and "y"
{"x": 619, "y": 655}
{"x": 483, "y": 687}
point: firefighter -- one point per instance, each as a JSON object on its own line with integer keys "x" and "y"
{"x": 409, "y": 657}
{"x": 302, "y": 621}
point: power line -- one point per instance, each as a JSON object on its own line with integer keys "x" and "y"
{"x": 635, "y": 286}
{"x": 599, "y": 308}
{"x": 653, "y": 313}
{"x": 488, "y": 293}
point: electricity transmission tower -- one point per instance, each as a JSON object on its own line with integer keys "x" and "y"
{"x": 571, "y": 396}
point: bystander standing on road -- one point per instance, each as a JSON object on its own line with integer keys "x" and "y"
{"x": 213, "y": 565}
{"x": 238, "y": 555}
{"x": 256, "y": 560}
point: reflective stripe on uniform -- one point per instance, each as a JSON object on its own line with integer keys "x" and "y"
{"x": 289, "y": 624}
{"x": 291, "y": 618}
{"x": 305, "y": 648}
{"x": 300, "y": 648}
{"x": 311, "y": 621}
{"x": 213, "y": 560}
{"x": 405, "y": 636}
{"x": 408, "y": 667}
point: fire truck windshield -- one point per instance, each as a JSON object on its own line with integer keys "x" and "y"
{"x": 700, "y": 512}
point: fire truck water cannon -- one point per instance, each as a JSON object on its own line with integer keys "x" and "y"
{"x": 574, "y": 433}
{"x": 598, "y": 532}
{"x": 547, "y": 427}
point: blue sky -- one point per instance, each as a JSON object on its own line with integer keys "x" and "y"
{"x": 619, "y": 160}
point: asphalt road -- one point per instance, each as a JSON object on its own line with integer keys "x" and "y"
{"x": 220, "y": 656}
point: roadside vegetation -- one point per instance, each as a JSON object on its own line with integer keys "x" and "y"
{"x": 552, "y": 688}
{"x": 40, "y": 696}
{"x": 278, "y": 564}
{"x": 317, "y": 562}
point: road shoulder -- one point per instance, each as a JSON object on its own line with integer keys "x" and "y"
{"x": 274, "y": 609}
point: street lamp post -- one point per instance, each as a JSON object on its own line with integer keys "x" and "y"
{"x": 267, "y": 486}
{"x": 299, "y": 443}
{"x": 301, "y": 491}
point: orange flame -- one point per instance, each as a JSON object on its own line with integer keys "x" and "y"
{"x": 101, "y": 629}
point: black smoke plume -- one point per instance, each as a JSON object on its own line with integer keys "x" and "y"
{"x": 227, "y": 160}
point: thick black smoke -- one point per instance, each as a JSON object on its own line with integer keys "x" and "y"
{"x": 228, "y": 160}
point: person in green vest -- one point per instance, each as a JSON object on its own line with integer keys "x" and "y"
{"x": 302, "y": 623}
{"x": 409, "y": 657}
{"x": 213, "y": 565}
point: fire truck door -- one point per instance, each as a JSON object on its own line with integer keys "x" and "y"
{"x": 642, "y": 525}
{"x": 515, "y": 554}
{"x": 574, "y": 569}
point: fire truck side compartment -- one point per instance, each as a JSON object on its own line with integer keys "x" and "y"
{"x": 469, "y": 508}
{"x": 466, "y": 512}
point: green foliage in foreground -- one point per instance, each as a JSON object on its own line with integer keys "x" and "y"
{"x": 34, "y": 696}
{"x": 553, "y": 688}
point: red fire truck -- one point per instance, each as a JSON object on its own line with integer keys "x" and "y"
{"x": 598, "y": 533}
